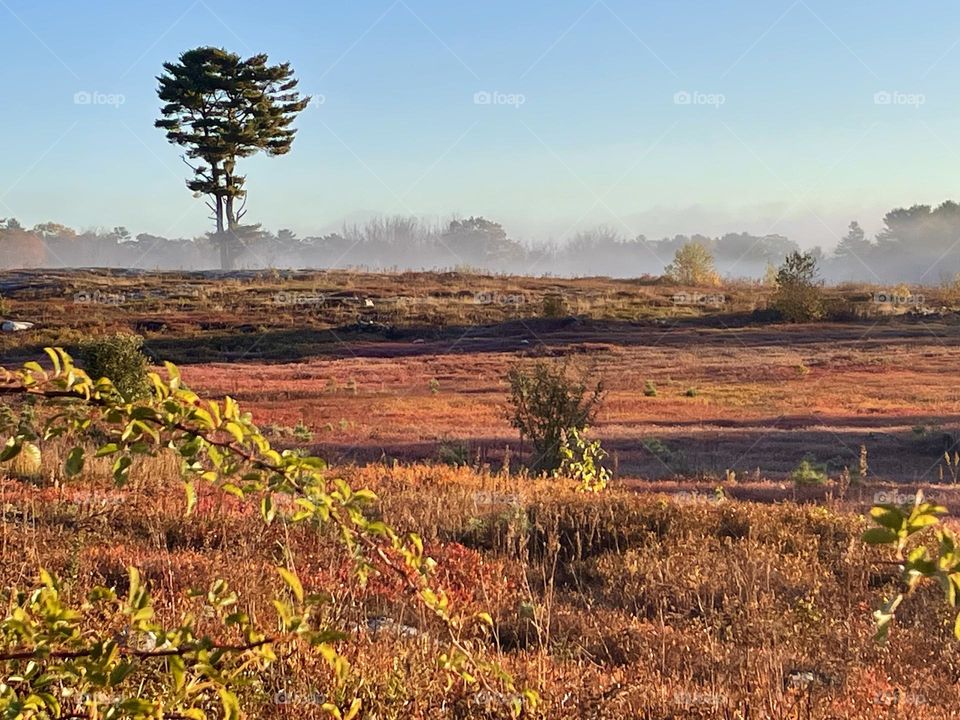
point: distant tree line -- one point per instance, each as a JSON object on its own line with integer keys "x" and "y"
{"x": 918, "y": 244}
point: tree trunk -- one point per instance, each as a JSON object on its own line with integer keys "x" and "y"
{"x": 229, "y": 246}
{"x": 221, "y": 239}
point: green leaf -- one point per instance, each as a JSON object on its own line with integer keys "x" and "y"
{"x": 879, "y": 536}
{"x": 11, "y": 449}
{"x": 121, "y": 469}
{"x": 108, "y": 449}
{"x": 75, "y": 461}
{"x": 888, "y": 517}
{"x": 267, "y": 511}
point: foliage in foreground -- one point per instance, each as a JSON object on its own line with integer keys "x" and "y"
{"x": 108, "y": 656}
{"x": 907, "y": 530}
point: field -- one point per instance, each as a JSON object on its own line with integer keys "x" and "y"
{"x": 706, "y": 583}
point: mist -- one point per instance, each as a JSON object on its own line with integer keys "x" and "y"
{"x": 913, "y": 245}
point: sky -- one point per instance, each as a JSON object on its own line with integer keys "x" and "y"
{"x": 657, "y": 117}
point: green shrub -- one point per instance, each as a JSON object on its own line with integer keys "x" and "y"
{"x": 120, "y": 358}
{"x": 454, "y": 454}
{"x": 302, "y": 432}
{"x": 650, "y": 389}
{"x": 808, "y": 472}
{"x": 799, "y": 297}
{"x": 546, "y": 402}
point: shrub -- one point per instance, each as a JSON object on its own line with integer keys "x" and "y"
{"x": 454, "y": 454}
{"x": 650, "y": 389}
{"x": 120, "y": 358}
{"x": 799, "y": 297}
{"x": 547, "y": 401}
{"x": 693, "y": 265}
{"x": 809, "y": 472}
{"x": 554, "y": 306}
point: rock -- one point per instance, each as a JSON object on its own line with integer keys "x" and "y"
{"x": 382, "y": 623}
{"x": 15, "y": 326}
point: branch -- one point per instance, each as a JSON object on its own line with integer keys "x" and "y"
{"x": 39, "y": 654}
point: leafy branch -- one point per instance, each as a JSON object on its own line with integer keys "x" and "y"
{"x": 896, "y": 527}
{"x": 46, "y": 644}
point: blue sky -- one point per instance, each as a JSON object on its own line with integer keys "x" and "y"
{"x": 650, "y": 117}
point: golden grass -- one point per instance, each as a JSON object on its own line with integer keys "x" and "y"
{"x": 612, "y": 606}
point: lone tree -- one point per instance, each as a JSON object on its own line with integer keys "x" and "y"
{"x": 221, "y": 108}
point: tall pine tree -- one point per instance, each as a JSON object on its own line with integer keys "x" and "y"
{"x": 221, "y": 108}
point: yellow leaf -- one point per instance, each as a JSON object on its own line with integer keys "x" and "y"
{"x": 293, "y": 581}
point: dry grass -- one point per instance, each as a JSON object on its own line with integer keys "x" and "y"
{"x": 613, "y": 606}
{"x": 662, "y": 603}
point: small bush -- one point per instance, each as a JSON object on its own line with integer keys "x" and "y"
{"x": 693, "y": 265}
{"x": 302, "y": 432}
{"x": 809, "y": 472}
{"x": 554, "y": 306}
{"x": 799, "y": 297}
{"x": 650, "y": 389}
{"x": 692, "y": 392}
{"x": 120, "y": 358}
{"x": 546, "y": 402}
{"x": 454, "y": 454}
